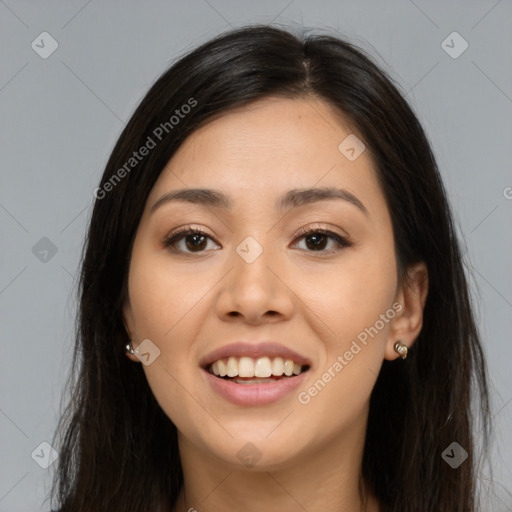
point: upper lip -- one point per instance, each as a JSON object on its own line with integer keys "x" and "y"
{"x": 254, "y": 350}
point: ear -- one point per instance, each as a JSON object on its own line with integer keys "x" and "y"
{"x": 412, "y": 296}
{"x": 129, "y": 322}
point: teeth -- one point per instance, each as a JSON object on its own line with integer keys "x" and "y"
{"x": 278, "y": 366}
{"x": 222, "y": 368}
{"x": 261, "y": 368}
{"x": 245, "y": 367}
{"x": 232, "y": 368}
{"x": 253, "y": 381}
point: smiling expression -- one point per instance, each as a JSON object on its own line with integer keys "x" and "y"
{"x": 292, "y": 246}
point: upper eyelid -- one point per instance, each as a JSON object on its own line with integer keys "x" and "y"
{"x": 318, "y": 227}
{"x": 183, "y": 230}
{"x": 187, "y": 230}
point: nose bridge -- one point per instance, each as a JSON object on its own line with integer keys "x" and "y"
{"x": 253, "y": 287}
{"x": 251, "y": 261}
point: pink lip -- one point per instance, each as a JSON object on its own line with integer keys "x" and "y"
{"x": 241, "y": 349}
{"x": 253, "y": 394}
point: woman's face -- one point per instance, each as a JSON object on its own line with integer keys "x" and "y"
{"x": 260, "y": 291}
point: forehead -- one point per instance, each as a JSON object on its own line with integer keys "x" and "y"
{"x": 269, "y": 147}
{"x": 271, "y": 129}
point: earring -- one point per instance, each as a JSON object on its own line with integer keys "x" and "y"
{"x": 401, "y": 349}
{"x": 129, "y": 348}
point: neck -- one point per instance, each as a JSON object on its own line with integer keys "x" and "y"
{"x": 328, "y": 477}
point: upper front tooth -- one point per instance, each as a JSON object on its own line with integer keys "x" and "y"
{"x": 263, "y": 368}
{"x": 278, "y": 366}
{"x": 246, "y": 367}
{"x": 232, "y": 367}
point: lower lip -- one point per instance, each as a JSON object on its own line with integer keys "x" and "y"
{"x": 254, "y": 394}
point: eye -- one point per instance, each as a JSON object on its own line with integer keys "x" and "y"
{"x": 318, "y": 238}
{"x": 196, "y": 240}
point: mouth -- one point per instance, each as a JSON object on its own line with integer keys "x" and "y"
{"x": 254, "y": 374}
{"x": 250, "y": 374}
{"x": 253, "y": 371}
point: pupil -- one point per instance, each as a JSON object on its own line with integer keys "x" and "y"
{"x": 193, "y": 246}
{"x": 316, "y": 245}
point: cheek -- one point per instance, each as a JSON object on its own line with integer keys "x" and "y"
{"x": 352, "y": 299}
{"x": 164, "y": 306}
{"x": 162, "y": 297}
{"x": 358, "y": 295}
{"x": 358, "y": 310}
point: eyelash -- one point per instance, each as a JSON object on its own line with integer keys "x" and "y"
{"x": 341, "y": 241}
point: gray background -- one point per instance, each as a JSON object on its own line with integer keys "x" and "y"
{"x": 60, "y": 117}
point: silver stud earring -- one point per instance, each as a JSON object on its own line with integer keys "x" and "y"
{"x": 401, "y": 349}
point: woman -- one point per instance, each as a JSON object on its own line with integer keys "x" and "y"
{"x": 273, "y": 312}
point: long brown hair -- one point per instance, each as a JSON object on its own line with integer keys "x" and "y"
{"x": 108, "y": 462}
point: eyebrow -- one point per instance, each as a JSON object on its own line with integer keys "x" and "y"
{"x": 293, "y": 198}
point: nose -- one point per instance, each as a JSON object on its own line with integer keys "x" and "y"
{"x": 256, "y": 291}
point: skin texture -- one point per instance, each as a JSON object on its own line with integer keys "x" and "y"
{"x": 191, "y": 303}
